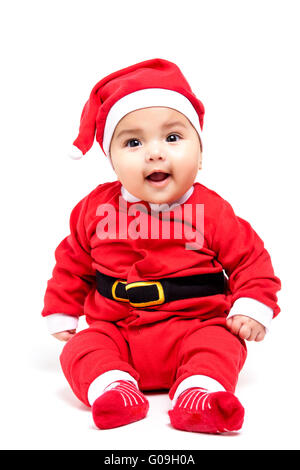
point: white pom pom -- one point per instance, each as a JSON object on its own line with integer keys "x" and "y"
{"x": 75, "y": 153}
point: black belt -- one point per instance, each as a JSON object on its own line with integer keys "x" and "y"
{"x": 148, "y": 293}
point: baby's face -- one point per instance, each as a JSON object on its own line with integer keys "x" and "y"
{"x": 156, "y": 139}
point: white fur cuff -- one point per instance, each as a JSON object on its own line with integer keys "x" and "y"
{"x": 58, "y": 322}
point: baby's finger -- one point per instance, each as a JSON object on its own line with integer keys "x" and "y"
{"x": 253, "y": 334}
{"x": 245, "y": 331}
{"x": 235, "y": 325}
{"x": 260, "y": 336}
{"x": 69, "y": 335}
{"x": 63, "y": 336}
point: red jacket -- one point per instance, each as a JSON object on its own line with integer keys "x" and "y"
{"x": 229, "y": 243}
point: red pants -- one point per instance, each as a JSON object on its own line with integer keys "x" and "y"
{"x": 158, "y": 355}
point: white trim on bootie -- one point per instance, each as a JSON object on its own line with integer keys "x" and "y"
{"x": 201, "y": 381}
{"x": 104, "y": 380}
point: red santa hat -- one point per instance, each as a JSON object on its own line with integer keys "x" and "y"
{"x": 155, "y": 82}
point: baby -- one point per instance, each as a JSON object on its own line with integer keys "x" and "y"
{"x": 170, "y": 280}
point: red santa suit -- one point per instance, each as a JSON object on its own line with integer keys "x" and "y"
{"x": 158, "y": 345}
{"x": 175, "y": 338}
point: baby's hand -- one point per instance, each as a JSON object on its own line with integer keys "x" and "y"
{"x": 246, "y": 328}
{"x": 64, "y": 335}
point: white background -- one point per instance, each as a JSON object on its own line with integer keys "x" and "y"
{"x": 242, "y": 60}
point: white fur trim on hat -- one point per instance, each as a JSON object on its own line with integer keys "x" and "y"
{"x": 148, "y": 98}
{"x": 75, "y": 153}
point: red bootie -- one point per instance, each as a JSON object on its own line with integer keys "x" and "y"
{"x": 198, "y": 410}
{"x": 122, "y": 404}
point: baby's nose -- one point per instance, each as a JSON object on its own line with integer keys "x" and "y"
{"x": 154, "y": 154}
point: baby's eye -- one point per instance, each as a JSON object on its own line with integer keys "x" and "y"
{"x": 173, "y": 138}
{"x": 132, "y": 143}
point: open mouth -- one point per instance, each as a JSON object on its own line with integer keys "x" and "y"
{"x": 158, "y": 176}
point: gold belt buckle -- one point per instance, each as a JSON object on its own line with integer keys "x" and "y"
{"x": 113, "y": 291}
{"x": 161, "y": 295}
